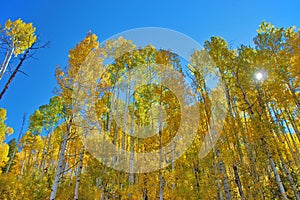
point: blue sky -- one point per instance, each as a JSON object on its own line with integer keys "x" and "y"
{"x": 65, "y": 23}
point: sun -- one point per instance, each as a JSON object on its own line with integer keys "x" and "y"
{"x": 259, "y": 76}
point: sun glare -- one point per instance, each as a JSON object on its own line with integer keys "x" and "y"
{"x": 259, "y": 76}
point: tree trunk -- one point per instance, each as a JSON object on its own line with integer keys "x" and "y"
{"x": 293, "y": 91}
{"x": 45, "y": 155}
{"x": 12, "y": 76}
{"x": 224, "y": 175}
{"x": 23, "y": 165}
{"x": 127, "y": 97}
{"x": 285, "y": 135}
{"x": 161, "y": 179}
{"x": 291, "y": 135}
{"x": 6, "y": 61}
{"x": 293, "y": 123}
{"x": 173, "y": 166}
{"x": 265, "y": 145}
{"x": 11, "y": 160}
{"x": 78, "y": 174}
{"x": 275, "y": 171}
{"x": 145, "y": 194}
{"x": 220, "y": 194}
{"x": 60, "y": 164}
{"x": 290, "y": 178}
{"x": 277, "y": 176}
{"x": 161, "y": 186}
{"x": 238, "y": 182}
{"x": 131, "y": 174}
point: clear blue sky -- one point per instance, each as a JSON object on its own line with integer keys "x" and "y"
{"x": 64, "y": 23}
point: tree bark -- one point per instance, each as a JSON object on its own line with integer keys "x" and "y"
{"x": 15, "y": 150}
{"x": 12, "y": 76}
{"x": 60, "y": 164}
{"x": 275, "y": 171}
{"x": 161, "y": 186}
{"x": 224, "y": 175}
{"x": 290, "y": 178}
{"x": 220, "y": 194}
{"x": 131, "y": 174}
{"x": 238, "y": 182}
{"x": 292, "y": 90}
{"x": 78, "y": 174}
{"x": 6, "y": 62}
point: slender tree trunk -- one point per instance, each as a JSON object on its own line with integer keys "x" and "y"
{"x": 145, "y": 194}
{"x": 250, "y": 151}
{"x": 60, "y": 164}
{"x": 277, "y": 176}
{"x": 6, "y": 61}
{"x": 11, "y": 160}
{"x": 293, "y": 123}
{"x": 292, "y": 137}
{"x": 224, "y": 176}
{"x": 29, "y": 158}
{"x": 161, "y": 179}
{"x": 238, "y": 182}
{"x": 173, "y": 167}
{"x": 131, "y": 174}
{"x": 197, "y": 177}
{"x": 220, "y": 194}
{"x": 78, "y": 173}
{"x": 265, "y": 145}
{"x": 127, "y": 96}
{"x": 290, "y": 178}
{"x": 161, "y": 186}
{"x": 15, "y": 150}
{"x": 23, "y": 165}
{"x": 282, "y": 129}
{"x": 293, "y": 91}
{"x": 244, "y": 94}
{"x": 45, "y": 155}
{"x": 12, "y": 76}
{"x": 275, "y": 171}
{"x": 116, "y": 127}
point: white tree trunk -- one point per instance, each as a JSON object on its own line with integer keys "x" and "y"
{"x": 161, "y": 179}
{"x": 277, "y": 176}
{"x": 60, "y": 164}
{"x": 78, "y": 174}
{"x": 6, "y": 62}
{"x": 131, "y": 174}
{"x": 290, "y": 178}
{"x": 127, "y": 97}
{"x": 23, "y": 163}
{"x": 161, "y": 186}
{"x": 224, "y": 176}
{"x": 220, "y": 194}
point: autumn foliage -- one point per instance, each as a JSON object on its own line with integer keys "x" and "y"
{"x": 256, "y": 157}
